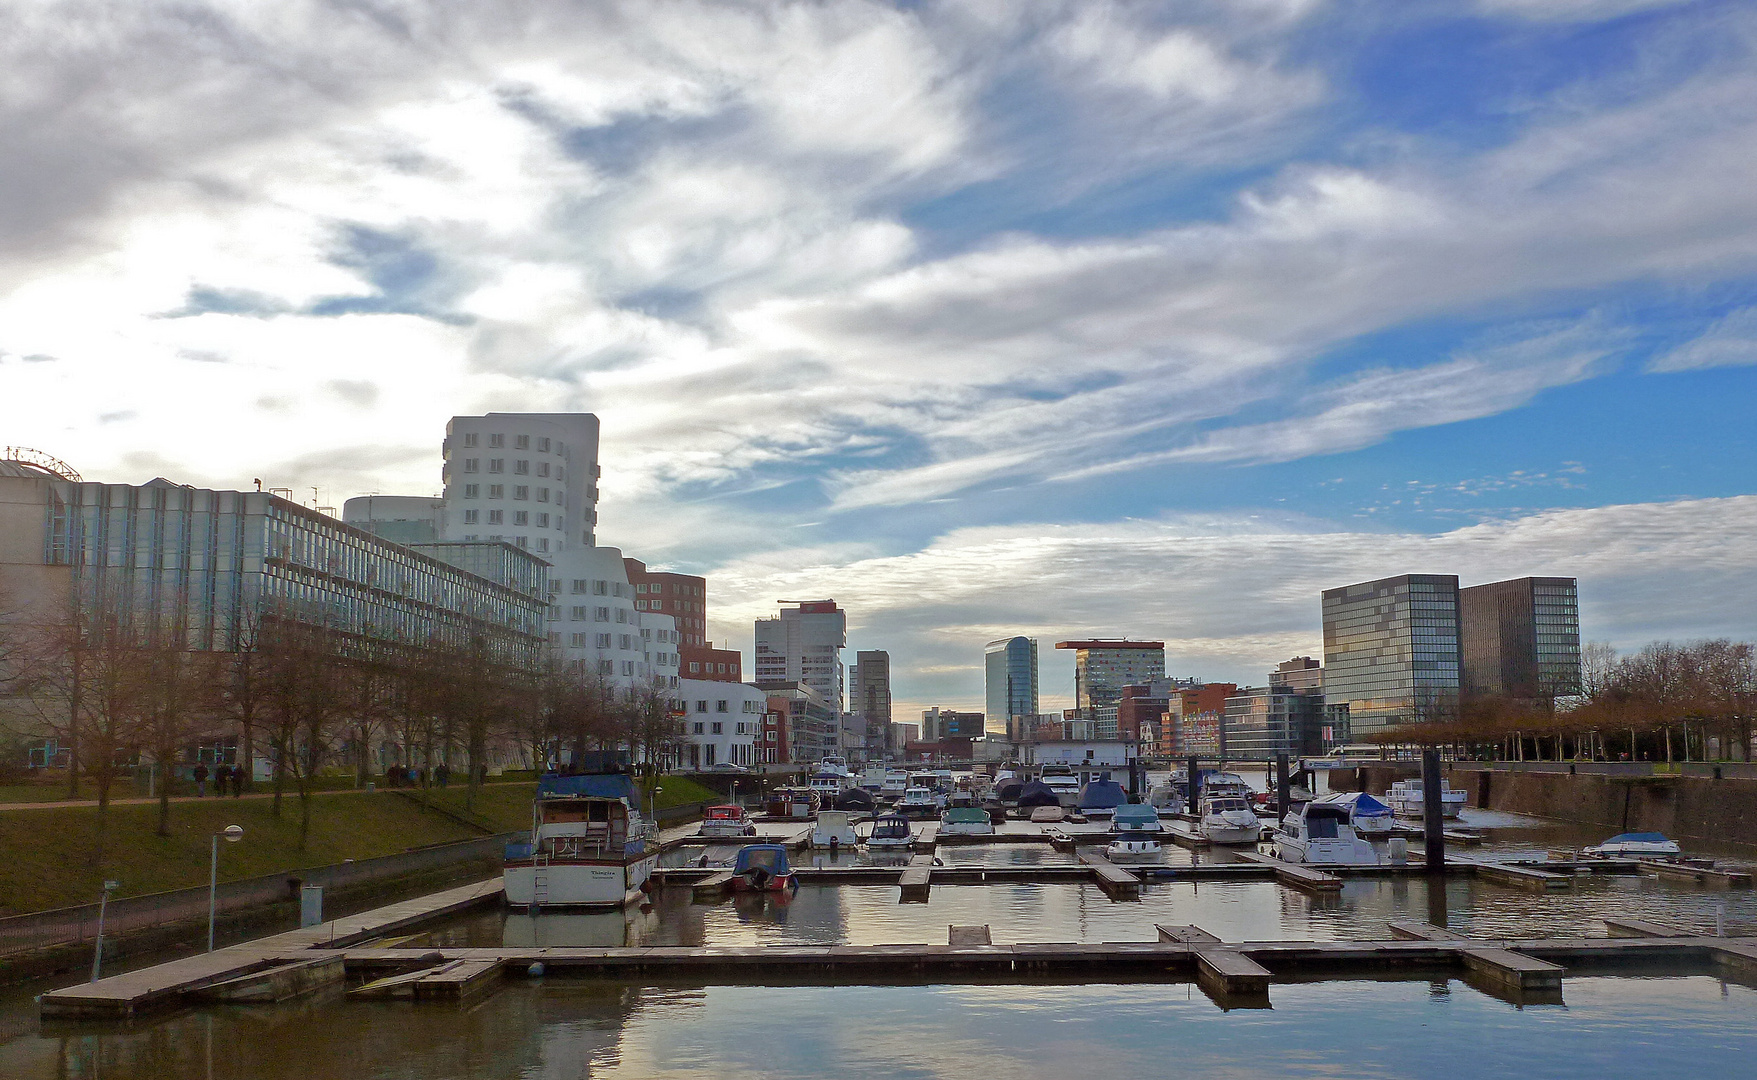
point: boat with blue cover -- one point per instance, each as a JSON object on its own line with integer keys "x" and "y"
{"x": 1366, "y": 815}
{"x": 1100, "y": 797}
{"x": 763, "y": 868}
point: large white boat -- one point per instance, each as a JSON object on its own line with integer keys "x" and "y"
{"x": 1366, "y": 815}
{"x": 1168, "y": 798}
{"x": 1319, "y": 832}
{"x": 1229, "y": 819}
{"x": 1061, "y": 780}
{"x": 894, "y": 785}
{"x": 828, "y": 785}
{"x": 1635, "y": 845}
{"x": 921, "y": 801}
{"x": 1225, "y": 783}
{"x": 834, "y": 829}
{"x": 589, "y": 846}
{"x": 1406, "y": 799}
{"x": 892, "y": 832}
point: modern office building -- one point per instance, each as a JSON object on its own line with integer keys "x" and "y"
{"x": 869, "y": 682}
{"x": 1192, "y": 719}
{"x": 1103, "y": 667}
{"x": 939, "y": 724}
{"x": 1391, "y": 650}
{"x": 718, "y": 665}
{"x": 1261, "y": 722}
{"x": 803, "y": 727}
{"x": 401, "y": 519}
{"x": 804, "y": 644}
{"x": 723, "y": 723}
{"x": 1010, "y": 678}
{"x": 1302, "y": 675}
{"x": 1139, "y": 706}
{"x": 1520, "y": 638}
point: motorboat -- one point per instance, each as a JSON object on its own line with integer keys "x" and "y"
{"x": 1229, "y": 819}
{"x": 1006, "y": 790}
{"x": 1635, "y": 845}
{"x": 793, "y": 802}
{"x": 892, "y": 831}
{"x": 589, "y": 845}
{"x": 1366, "y": 815}
{"x": 856, "y": 800}
{"x": 1406, "y": 799}
{"x": 828, "y": 785}
{"x": 834, "y": 829}
{"x": 1135, "y": 818}
{"x": 920, "y": 801}
{"x": 895, "y": 783}
{"x": 723, "y": 821}
{"x": 1124, "y": 849}
{"x": 1168, "y": 798}
{"x": 965, "y": 821}
{"x": 1061, "y": 780}
{"x": 1050, "y": 814}
{"x": 1319, "y": 832}
{"x": 1100, "y": 797}
{"x": 1225, "y": 783}
{"x": 1035, "y": 793}
{"x": 831, "y": 763}
{"x": 763, "y": 868}
{"x": 873, "y": 779}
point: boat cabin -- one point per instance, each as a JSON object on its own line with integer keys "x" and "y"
{"x": 769, "y": 857}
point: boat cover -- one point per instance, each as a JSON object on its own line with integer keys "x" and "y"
{"x": 1008, "y": 790}
{"x": 854, "y": 799}
{"x": 1361, "y": 802}
{"x": 1037, "y": 793}
{"x": 770, "y": 857}
{"x": 1102, "y": 794}
{"x": 1639, "y": 838}
{"x": 596, "y": 785}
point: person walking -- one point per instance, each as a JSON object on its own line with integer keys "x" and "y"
{"x": 240, "y": 775}
{"x": 222, "y": 776}
{"x": 441, "y": 774}
{"x": 200, "y": 775}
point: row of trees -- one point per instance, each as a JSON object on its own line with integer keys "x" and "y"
{"x": 1668, "y": 701}
{"x": 116, "y": 692}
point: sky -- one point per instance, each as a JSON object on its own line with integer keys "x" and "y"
{"x": 1052, "y": 318}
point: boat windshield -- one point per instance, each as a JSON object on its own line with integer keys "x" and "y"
{"x": 724, "y": 813}
{"x": 767, "y": 858}
{"x": 963, "y": 816}
{"x": 891, "y": 828}
{"x": 1221, "y": 806}
{"x": 1321, "y": 828}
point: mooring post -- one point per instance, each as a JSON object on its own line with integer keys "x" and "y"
{"x": 1195, "y": 785}
{"x": 1281, "y": 790}
{"x": 1433, "y": 817}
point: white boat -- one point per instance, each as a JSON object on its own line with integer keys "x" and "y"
{"x": 726, "y": 821}
{"x": 894, "y": 785}
{"x": 1225, "y": 783}
{"x": 1229, "y": 819}
{"x": 965, "y": 821}
{"x": 920, "y": 800}
{"x": 1135, "y": 819}
{"x": 589, "y": 846}
{"x": 1167, "y": 798}
{"x": 1319, "y": 832}
{"x": 1366, "y": 815}
{"x": 828, "y": 786}
{"x": 834, "y": 829}
{"x": 1406, "y": 799}
{"x": 1635, "y": 845}
{"x": 833, "y": 764}
{"x": 893, "y": 832}
{"x": 1123, "y": 849}
{"x": 1061, "y": 780}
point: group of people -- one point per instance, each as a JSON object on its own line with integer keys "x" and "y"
{"x": 225, "y": 777}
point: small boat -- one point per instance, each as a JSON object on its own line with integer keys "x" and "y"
{"x": 1061, "y": 780}
{"x": 837, "y": 766}
{"x": 725, "y": 821}
{"x": 1100, "y": 797}
{"x": 589, "y": 845}
{"x": 892, "y": 831}
{"x": 1168, "y": 798}
{"x": 1319, "y": 832}
{"x": 1123, "y": 849}
{"x": 920, "y": 801}
{"x": 833, "y": 830}
{"x": 763, "y": 868}
{"x": 1036, "y": 793}
{"x": 1229, "y": 819}
{"x": 965, "y": 821}
{"x": 1634, "y": 845}
{"x": 855, "y": 800}
{"x": 895, "y": 784}
{"x": 1047, "y": 815}
{"x": 1366, "y": 815}
{"x": 1135, "y": 818}
{"x": 792, "y": 802}
{"x": 828, "y": 786}
{"x": 1007, "y": 790}
{"x": 1407, "y": 800}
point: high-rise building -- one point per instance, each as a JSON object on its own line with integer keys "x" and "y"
{"x": 1261, "y": 722}
{"x": 1010, "y": 675}
{"x": 684, "y": 597}
{"x": 803, "y": 644}
{"x": 870, "y": 698}
{"x": 1391, "y": 650}
{"x": 938, "y": 724}
{"x": 1520, "y": 638}
{"x": 1302, "y": 674}
{"x": 1103, "y": 667}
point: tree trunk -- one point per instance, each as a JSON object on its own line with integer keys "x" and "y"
{"x": 164, "y": 828}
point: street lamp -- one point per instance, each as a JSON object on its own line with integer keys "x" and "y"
{"x": 233, "y": 834}
{"x": 98, "y": 952}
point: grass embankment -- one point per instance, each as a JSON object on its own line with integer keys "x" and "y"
{"x": 46, "y": 856}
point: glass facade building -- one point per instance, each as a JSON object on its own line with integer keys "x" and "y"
{"x": 1264, "y": 721}
{"x": 203, "y": 564}
{"x": 1010, "y": 678}
{"x": 1521, "y": 638}
{"x": 1103, "y": 667}
{"x": 1391, "y": 650}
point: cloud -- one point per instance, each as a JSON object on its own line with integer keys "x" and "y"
{"x": 1574, "y": 10}
{"x": 1731, "y": 341}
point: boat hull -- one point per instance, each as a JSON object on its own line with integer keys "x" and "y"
{"x": 1216, "y": 832}
{"x": 1326, "y": 852}
{"x": 579, "y": 884}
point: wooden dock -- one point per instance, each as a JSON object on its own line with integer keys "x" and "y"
{"x": 1516, "y": 876}
{"x": 1415, "y": 930}
{"x": 1117, "y": 883}
{"x": 1620, "y": 927}
{"x": 915, "y": 881}
{"x": 1701, "y": 875}
{"x": 1304, "y": 878}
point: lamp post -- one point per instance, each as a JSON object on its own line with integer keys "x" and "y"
{"x": 98, "y": 951}
{"x": 233, "y": 834}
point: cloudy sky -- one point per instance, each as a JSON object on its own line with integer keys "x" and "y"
{"x": 1143, "y": 319}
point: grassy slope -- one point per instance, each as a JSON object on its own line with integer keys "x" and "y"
{"x": 47, "y": 853}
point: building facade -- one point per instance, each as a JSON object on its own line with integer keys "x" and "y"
{"x": 1138, "y": 708}
{"x": 1261, "y": 722}
{"x": 1391, "y": 650}
{"x": 1010, "y": 681}
{"x": 807, "y": 728}
{"x": 1192, "y": 719}
{"x": 870, "y": 699}
{"x": 1520, "y": 638}
{"x": 723, "y": 723}
{"x": 717, "y": 665}
{"x": 803, "y": 644}
{"x": 1103, "y": 667}
{"x": 1302, "y": 675}
{"x": 938, "y": 724}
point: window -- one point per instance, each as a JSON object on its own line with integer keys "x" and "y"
{"x": 603, "y": 641}
{"x": 720, "y": 706}
{"x": 522, "y": 467}
{"x": 472, "y": 464}
{"x": 622, "y": 642}
{"x": 577, "y": 586}
{"x": 496, "y": 465}
{"x": 496, "y": 440}
{"x": 496, "y": 491}
{"x": 469, "y": 517}
{"x": 496, "y": 517}
{"x": 698, "y": 730}
{"x": 601, "y": 614}
{"x": 543, "y": 544}
{"x": 622, "y": 615}
{"x": 520, "y": 541}
{"x": 555, "y": 637}
{"x": 628, "y": 667}
{"x": 606, "y": 667}
{"x": 521, "y": 492}
{"x": 542, "y": 494}
{"x": 542, "y": 468}
{"x": 577, "y": 640}
{"x": 522, "y": 442}
{"x": 701, "y": 706}
{"x": 577, "y": 613}
{"x": 542, "y": 521}
{"x": 694, "y": 667}
{"x": 718, "y": 728}
{"x": 469, "y": 438}
{"x": 600, "y": 588}
{"x": 472, "y": 491}
{"x": 542, "y": 446}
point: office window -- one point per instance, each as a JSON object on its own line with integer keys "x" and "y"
{"x": 622, "y": 642}
{"x": 695, "y": 667}
{"x": 606, "y": 667}
{"x": 522, "y": 467}
{"x": 496, "y": 440}
{"x": 622, "y": 615}
{"x": 701, "y": 706}
{"x": 472, "y": 491}
{"x": 542, "y": 446}
{"x": 471, "y": 464}
{"x": 577, "y": 613}
{"x": 521, "y": 492}
{"x": 577, "y": 586}
{"x": 521, "y": 517}
{"x": 628, "y": 667}
{"x": 542, "y": 468}
{"x": 698, "y": 731}
{"x": 601, "y": 614}
{"x": 542, "y": 521}
{"x": 469, "y": 438}
{"x": 577, "y": 640}
{"x": 542, "y": 494}
{"x": 496, "y": 517}
{"x": 521, "y": 541}
{"x": 718, "y": 728}
{"x": 543, "y": 544}
{"x": 469, "y": 517}
{"x": 496, "y": 491}
{"x": 600, "y": 588}
{"x": 555, "y": 637}
{"x": 496, "y": 465}
{"x": 603, "y": 641}
{"x": 720, "y": 706}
